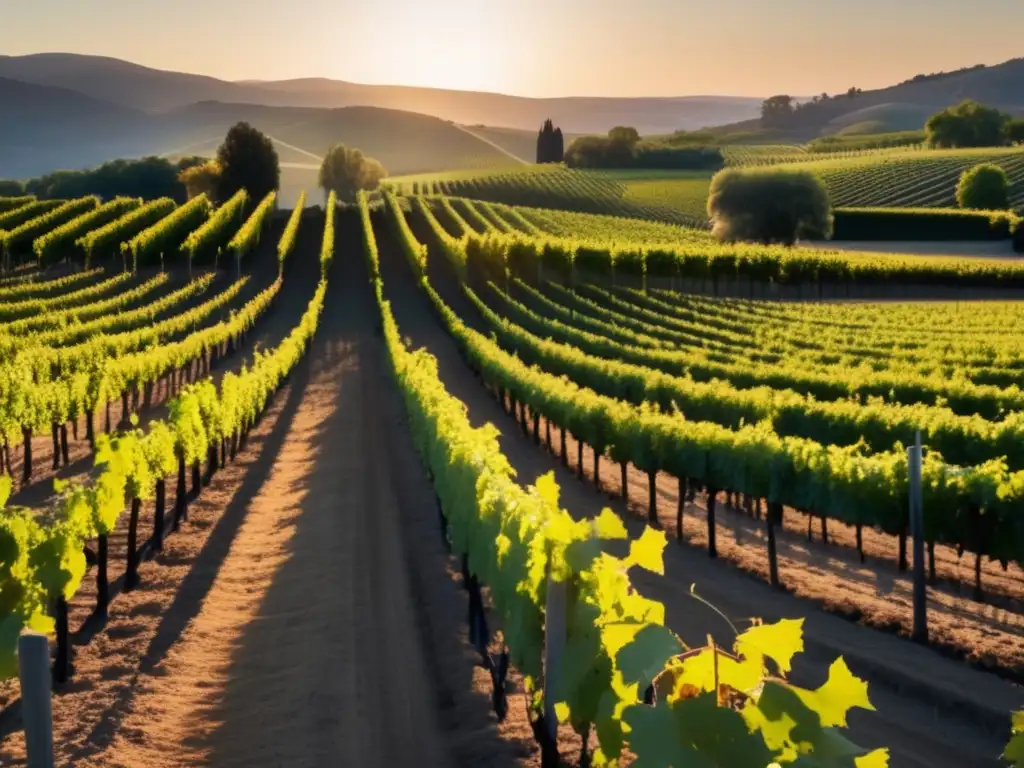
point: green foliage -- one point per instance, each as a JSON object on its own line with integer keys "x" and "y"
{"x": 109, "y": 238}
{"x": 984, "y": 187}
{"x": 248, "y": 235}
{"x": 248, "y": 161}
{"x": 19, "y": 239}
{"x": 166, "y": 236}
{"x": 218, "y": 230}
{"x": 1015, "y": 131}
{"x": 148, "y": 178}
{"x": 291, "y": 232}
{"x": 61, "y": 242}
{"x": 769, "y": 206}
{"x": 550, "y": 144}
{"x": 921, "y": 224}
{"x": 43, "y": 556}
{"x": 11, "y": 188}
{"x": 968, "y": 124}
{"x": 518, "y": 542}
{"x": 906, "y": 178}
{"x": 14, "y": 217}
{"x": 1014, "y": 753}
{"x": 623, "y": 149}
{"x": 345, "y": 171}
{"x": 855, "y": 142}
{"x": 201, "y": 179}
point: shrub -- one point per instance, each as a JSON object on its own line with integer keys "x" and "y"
{"x": 769, "y": 206}
{"x": 920, "y": 224}
{"x": 984, "y": 187}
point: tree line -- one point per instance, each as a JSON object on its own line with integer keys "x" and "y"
{"x": 623, "y": 148}
{"x": 245, "y": 160}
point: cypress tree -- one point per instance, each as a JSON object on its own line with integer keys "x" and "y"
{"x": 550, "y": 144}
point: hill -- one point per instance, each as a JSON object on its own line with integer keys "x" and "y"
{"x": 155, "y": 90}
{"x": 43, "y": 128}
{"x": 404, "y": 142}
{"x": 905, "y": 106}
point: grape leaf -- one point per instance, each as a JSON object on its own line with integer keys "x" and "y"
{"x": 779, "y": 642}
{"x": 608, "y": 525}
{"x": 646, "y": 655}
{"x": 648, "y": 551}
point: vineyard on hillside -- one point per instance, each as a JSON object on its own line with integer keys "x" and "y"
{"x": 896, "y": 177}
{"x": 144, "y": 343}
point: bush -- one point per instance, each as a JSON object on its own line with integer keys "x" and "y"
{"x": 920, "y": 224}
{"x": 1018, "y": 237}
{"x": 984, "y": 187}
{"x": 769, "y": 206}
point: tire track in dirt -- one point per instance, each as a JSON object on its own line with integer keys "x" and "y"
{"x": 918, "y": 733}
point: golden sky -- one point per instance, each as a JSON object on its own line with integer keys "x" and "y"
{"x": 537, "y": 47}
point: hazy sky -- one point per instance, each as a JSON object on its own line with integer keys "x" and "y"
{"x": 536, "y": 47}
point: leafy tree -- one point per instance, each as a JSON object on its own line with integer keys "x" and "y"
{"x": 769, "y": 206}
{"x": 248, "y": 161}
{"x": 201, "y": 179}
{"x": 626, "y": 136}
{"x": 777, "y": 111}
{"x": 984, "y": 187}
{"x": 11, "y": 188}
{"x": 1015, "y": 131}
{"x": 346, "y": 170}
{"x": 968, "y": 124}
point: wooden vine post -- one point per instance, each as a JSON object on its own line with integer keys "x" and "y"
{"x": 920, "y": 630}
{"x": 555, "y": 627}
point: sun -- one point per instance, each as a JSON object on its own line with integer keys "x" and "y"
{"x": 460, "y": 46}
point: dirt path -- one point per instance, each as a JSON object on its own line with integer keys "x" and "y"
{"x": 305, "y": 616}
{"x": 919, "y": 733}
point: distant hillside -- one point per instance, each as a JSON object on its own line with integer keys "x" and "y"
{"x": 43, "y": 128}
{"x": 405, "y": 142}
{"x": 154, "y": 90}
{"x": 906, "y": 106}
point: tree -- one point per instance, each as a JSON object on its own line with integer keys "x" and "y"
{"x": 346, "y": 170}
{"x": 968, "y": 124}
{"x": 11, "y": 188}
{"x": 247, "y": 161}
{"x": 984, "y": 187}
{"x": 776, "y": 111}
{"x": 626, "y": 136}
{"x": 1015, "y": 131}
{"x": 769, "y": 206}
{"x": 550, "y": 144}
{"x": 201, "y": 179}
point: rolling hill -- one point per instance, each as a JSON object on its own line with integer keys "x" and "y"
{"x": 43, "y": 128}
{"x": 905, "y": 106}
{"x": 155, "y": 90}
